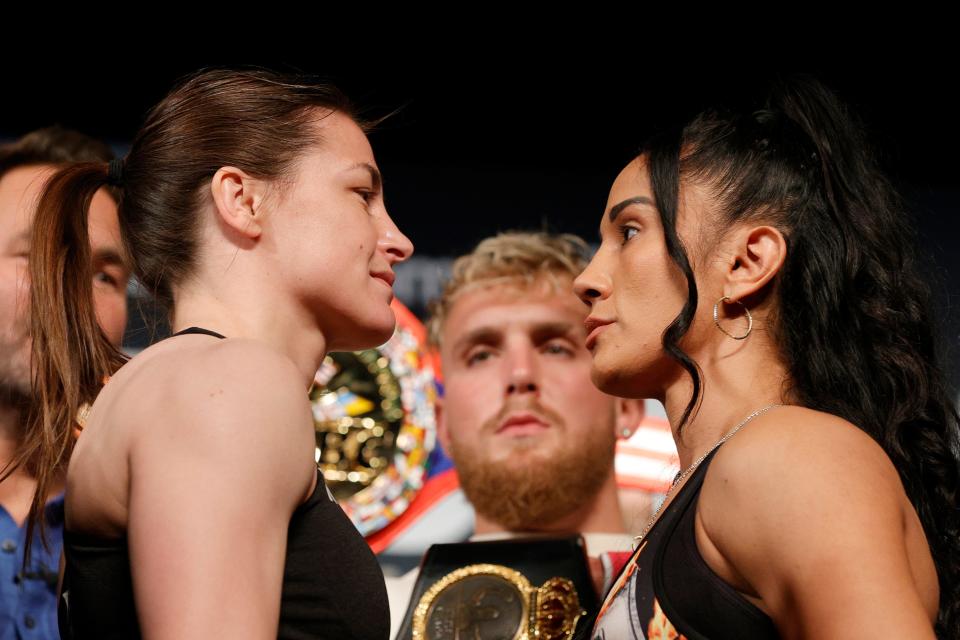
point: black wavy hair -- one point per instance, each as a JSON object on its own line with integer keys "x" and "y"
{"x": 853, "y": 319}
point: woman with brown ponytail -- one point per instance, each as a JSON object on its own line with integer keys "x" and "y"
{"x": 251, "y": 204}
{"x": 757, "y": 274}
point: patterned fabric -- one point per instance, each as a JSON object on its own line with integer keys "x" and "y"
{"x": 667, "y": 590}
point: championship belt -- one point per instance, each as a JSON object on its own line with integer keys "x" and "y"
{"x": 488, "y": 591}
{"x": 375, "y": 425}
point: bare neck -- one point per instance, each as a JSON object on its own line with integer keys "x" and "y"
{"x": 245, "y": 308}
{"x": 600, "y": 515}
{"x": 737, "y": 378}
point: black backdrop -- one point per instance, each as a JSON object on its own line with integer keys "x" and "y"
{"x": 498, "y": 140}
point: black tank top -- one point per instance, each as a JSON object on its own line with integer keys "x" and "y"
{"x": 332, "y": 584}
{"x": 667, "y": 588}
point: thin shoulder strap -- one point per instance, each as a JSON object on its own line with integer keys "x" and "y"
{"x": 201, "y": 330}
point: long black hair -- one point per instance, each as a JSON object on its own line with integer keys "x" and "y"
{"x": 853, "y": 318}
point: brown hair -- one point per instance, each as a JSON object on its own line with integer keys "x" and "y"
{"x": 52, "y": 145}
{"x": 257, "y": 120}
{"x": 514, "y": 257}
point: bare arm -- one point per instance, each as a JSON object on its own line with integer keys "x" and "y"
{"x": 808, "y": 514}
{"x": 212, "y": 490}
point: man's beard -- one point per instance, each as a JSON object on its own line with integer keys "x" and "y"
{"x": 528, "y": 491}
{"x": 14, "y": 373}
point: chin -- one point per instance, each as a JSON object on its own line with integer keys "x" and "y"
{"x": 363, "y": 337}
{"x": 615, "y": 381}
{"x": 519, "y": 454}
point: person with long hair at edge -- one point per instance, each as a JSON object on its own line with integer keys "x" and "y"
{"x": 29, "y": 565}
{"x": 251, "y": 205}
{"x": 758, "y": 275}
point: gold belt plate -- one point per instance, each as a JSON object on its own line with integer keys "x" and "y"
{"x": 493, "y": 602}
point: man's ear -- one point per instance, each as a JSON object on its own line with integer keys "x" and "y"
{"x": 756, "y": 255}
{"x": 237, "y": 197}
{"x": 629, "y": 415}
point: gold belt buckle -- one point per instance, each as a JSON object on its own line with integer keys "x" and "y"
{"x": 493, "y": 602}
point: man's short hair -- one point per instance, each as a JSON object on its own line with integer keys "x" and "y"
{"x": 513, "y": 258}
{"x": 52, "y": 145}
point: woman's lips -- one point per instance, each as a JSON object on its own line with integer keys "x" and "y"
{"x": 594, "y": 326}
{"x": 386, "y": 276}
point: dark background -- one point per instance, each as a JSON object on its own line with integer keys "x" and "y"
{"x": 488, "y": 140}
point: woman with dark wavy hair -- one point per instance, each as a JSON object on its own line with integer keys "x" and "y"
{"x": 757, "y": 275}
{"x": 251, "y": 203}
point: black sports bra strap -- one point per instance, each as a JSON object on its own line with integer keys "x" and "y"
{"x": 201, "y": 330}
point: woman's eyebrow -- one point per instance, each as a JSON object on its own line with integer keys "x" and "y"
{"x": 617, "y": 208}
{"x": 374, "y": 173}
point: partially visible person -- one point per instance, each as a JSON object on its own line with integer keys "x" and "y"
{"x": 758, "y": 275}
{"x": 531, "y": 438}
{"x": 251, "y": 205}
{"x": 28, "y": 599}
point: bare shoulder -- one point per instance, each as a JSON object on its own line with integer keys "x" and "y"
{"x": 193, "y": 420}
{"x": 223, "y": 377}
{"x": 232, "y": 361}
{"x": 803, "y": 465}
{"x": 227, "y": 401}
{"x": 802, "y": 509}
{"x": 214, "y": 483}
{"x": 810, "y": 449}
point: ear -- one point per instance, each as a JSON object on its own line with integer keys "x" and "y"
{"x": 629, "y": 415}
{"x": 757, "y": 255}
{"x": 237, "y": 197}
{"x": 443, "y": 435}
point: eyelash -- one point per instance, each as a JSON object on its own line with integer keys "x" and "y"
{"x": 623, "y": 230}
{"x": 366, "y": 194}
{"x": 105, "y": 277}
{"x": 552, "y": 348}
{"x": 474, "y": 358}
{"x": 560, "y": 349}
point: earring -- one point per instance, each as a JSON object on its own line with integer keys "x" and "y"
{"x": 716, "y": 317}
{"x": 626, "y": 433}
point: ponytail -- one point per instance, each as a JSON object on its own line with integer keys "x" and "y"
{"x": 853, "y": 316}
{"x": 255, "y": 119}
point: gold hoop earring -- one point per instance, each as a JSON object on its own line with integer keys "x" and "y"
{"x": 716, "y": 318}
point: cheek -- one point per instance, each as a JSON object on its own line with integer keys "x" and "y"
{"x": 642, "y": 321}
{"x": 315, "y": 223}
{"x": 580, "y": 398}
{"x": 8, "y": 306}
{"x": 14, "y": 288}
{"x": 346, "y": 249}
{"x": 468, "y": 392}
{"x": 650, "y": 277}
{"x": 649, "y": 294}
{"x": 111, "y": 309}
{"x": 468, "y": 401}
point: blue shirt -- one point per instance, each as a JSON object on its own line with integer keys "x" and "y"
{"x": 28, "y": 600}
